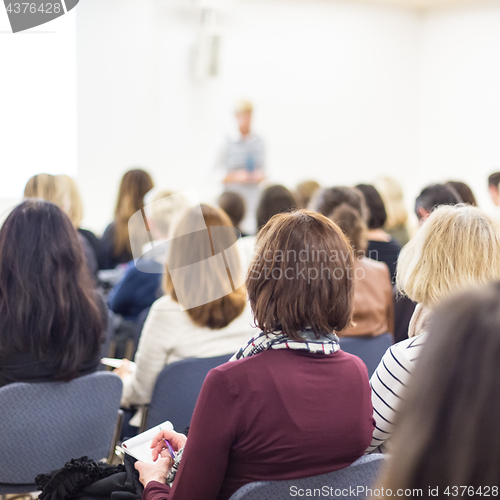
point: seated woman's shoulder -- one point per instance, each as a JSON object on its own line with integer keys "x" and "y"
{"x": 165, "y": 303}
{"x": 374, "y": 265}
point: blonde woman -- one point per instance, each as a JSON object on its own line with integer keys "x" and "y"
{"x": 63, "y": 192}
{"x": 115, "y": 242}
{"x": 73, "y": 206}
{"x": 457, "y": 247}
{"x": 204, "y": 312}
{"x": 45, "y": 187}
{"x": 397, "y": 216}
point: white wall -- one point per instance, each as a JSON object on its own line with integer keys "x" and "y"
{"x": 37, "y": 103}
{"x": 460, "y": 96}
{"x": 334, "y": 84}
{"x": 344, "y": 91}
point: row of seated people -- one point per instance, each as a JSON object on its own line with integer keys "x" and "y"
{"x": 387, "y": 220}
{"x": 61, "y": 340}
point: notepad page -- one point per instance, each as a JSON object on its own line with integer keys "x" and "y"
{"x": 140, "y": 446}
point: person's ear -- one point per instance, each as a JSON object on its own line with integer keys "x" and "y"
{"x": 422, "y": 214}
{"x": 494, "y": 194}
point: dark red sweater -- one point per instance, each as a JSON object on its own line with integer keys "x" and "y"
{"x": 280, "y": 414}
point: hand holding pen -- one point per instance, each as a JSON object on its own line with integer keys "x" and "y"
{"x": 167, "y": 443}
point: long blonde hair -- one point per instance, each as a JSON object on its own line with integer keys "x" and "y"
{"x": 134, "y": 185}
{"x": 392, "y": 196}
{"x": 457, "y": 246}
{"x": 72, "y": 200}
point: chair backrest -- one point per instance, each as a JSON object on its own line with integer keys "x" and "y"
{"x": 344, "y": 484}
{"x": 369, "y": 349}
{"x": 177, "y": 388}
{"x": 44, "y": 425}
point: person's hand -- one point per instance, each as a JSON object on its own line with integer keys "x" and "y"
{"x": 124, "y": 369}
{"x": 158, "y": 446}
{"x": 154, "y": 472}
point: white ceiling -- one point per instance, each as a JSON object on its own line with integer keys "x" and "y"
{"x": 424, "y": 4}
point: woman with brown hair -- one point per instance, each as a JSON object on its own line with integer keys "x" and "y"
{"x": 446, "y": 437}
{"x": 51, "y": 321}
{"x": 115, "y": 242}
{"x": 204, "y": 312}
{"x": 381, "y": 245}
{"x": 290, "y": 404}
{"x": 373, "y": 296}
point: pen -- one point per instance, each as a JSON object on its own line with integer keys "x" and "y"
{"x": 170, "y": 449}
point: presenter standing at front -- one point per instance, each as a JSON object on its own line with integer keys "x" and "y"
{"x": 242, "y": 159}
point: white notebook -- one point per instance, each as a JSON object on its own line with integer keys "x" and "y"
{"x": 116, "y": 363}
{"x": 139, "y": 446}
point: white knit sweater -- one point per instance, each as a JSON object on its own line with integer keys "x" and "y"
{"x": 169, "y": 335}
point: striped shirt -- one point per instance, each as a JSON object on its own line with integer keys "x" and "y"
{"x": 388, "y": 383}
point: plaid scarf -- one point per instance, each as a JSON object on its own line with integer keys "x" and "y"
{"x": 326, "y": 344}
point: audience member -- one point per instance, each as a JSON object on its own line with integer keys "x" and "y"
{"x": 51, "y": 320}
{"x": 291, "y": 404}
{"x": 115, "y": 242}
{"x": 397, "y": 216}
{"x": 187, "y": 322}
{"x": 242, "y": 158}
{"x": 381, "y": 245}
{"x": 373, "y": 297}
{"x": 464, "y": 191}
{"x": 326, "y": 200}
{"x": 457, "y": 247}
{"x": 432, "y": 197}
{"x": 74, "y": 209}
{"x": 305, "y": 191}
{"x": 54, "y": 188}
{"x": 234, "y": 205}
{"x": 140, "y": 285}
{"x": 274, "y": 200}
{"x": 446, "y": 434}
{"x": 493, "y": 188}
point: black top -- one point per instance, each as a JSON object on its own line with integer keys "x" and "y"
{"x": 29, "y": 367}
{"x": 108, "y": 260}
{"x": 94, "y": 243}
{"x": 385, "y": 251}
{"x": 137, "y": 290}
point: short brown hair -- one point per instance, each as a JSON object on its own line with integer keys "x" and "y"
{"x": 290, "y": 293}
{"x": 274, "y": 200}
{"x": 234, "y": 205}
{"x": 494, "y": 179}
{"x": 464, "y": 191}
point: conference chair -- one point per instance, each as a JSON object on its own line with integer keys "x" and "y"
{"x": 350, "y": 483}
{"x": 369, "y": 349}
{"x": 176, "y": 391}
{"x": 44, "y": 425}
